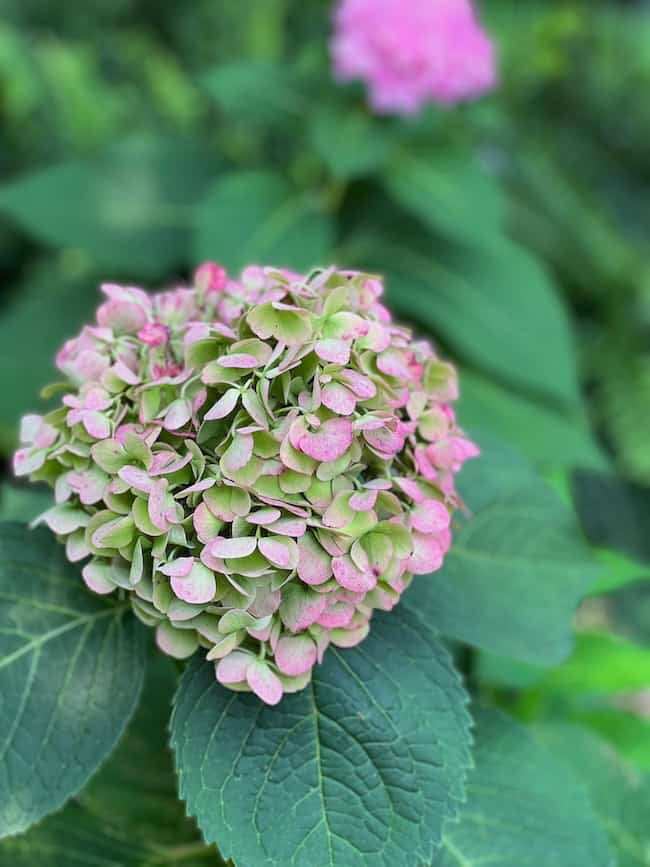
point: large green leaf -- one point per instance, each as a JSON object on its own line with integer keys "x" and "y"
{"x": 450, "y": 193}
{"x": 256, "y": 217}
{"x": 358, "y": 770}
{"x": 73, "y": 838}
{"x": 620, "y": 796}
{"x": 129, "y": 815}
{"x": 130, "y": 209}
{"x": 71, "y": 669}
{"x": 49, "y": 307}
{"x": 350, "y": 141}
{"x": 523, "y": 807}
{"x": 614, "y": 513}
{"x": 257, "y": 91}
{"x": 517, "y": 566}
{"x": 494, "y": 305}
{"x": 547, "y": 435}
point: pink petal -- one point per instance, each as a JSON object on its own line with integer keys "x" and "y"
{"x": 333, "y": 439}
{"x": 362, "y": 386}
{"x": 238, "y": 453}
{"x": 431, "y": 516}
{"x": 333, "y": 351}
{"x": 198, "y": 587}
{"x": 427, "y": 555}
{"x": 336, "y": 616}
{"x": 348, "y": 576}
{"x": 97, "y": 425}
{"x": 281, "y": 553}
{"x": 295, "y": 655}
{"x": 338, "y": 398}
{"x": 178, "y": 568}
{"x": 239, "y": 360}
{"x": 232, "y": 548}
{"x": 363, "y": 501}
{"x": 264, "y": 683}
{"x": 95, "y": 579}
{"x": 293, "y": 527}
{"x": 263, "y": 517}
{"x": 205, "y": 524}
{"x": 233, "y": 668}
{"x": 178, "y": 414}
{"x": 314, "y": 564}
{"x": 157, "y": 506}
{"x": 136, "y": 478}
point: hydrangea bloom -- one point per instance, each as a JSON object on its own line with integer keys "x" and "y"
{"x": 257, "y": 463}
{"x": 411, "y": 52}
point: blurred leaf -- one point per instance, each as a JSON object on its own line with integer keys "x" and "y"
{"x": 349, "y": 140}
{"x": 600, "y": 664}
{"x": 548, "y": 436}
{"x": 256, "y": 217}
{"x": 523, "y": 807}
{"x": 494, "y": 306}
{"x": 503, "y": 671}
{"x": 628, "y": 732}
{"x": 47, "y": 310}
{"x": 130, "y": 209}
{"x": 628, "y": 611}
{"x": 517, "y": 568}
{"x": 617, "y": 571}
{"x": 71, "y": 671}
{"x": 620, "y": 797}
{"x": 449, "y": 192}
{"x": 256, "y": 91}
{"x": 24, "y": 503}
{"x": 614, "y": 513}
{"x": 72, "y": 838}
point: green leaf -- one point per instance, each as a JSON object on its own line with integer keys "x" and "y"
{"x": 495, "y": 306}
{"x": 549, "y": 436}
{"x": 71, "y": 669}
{"x": 451, "y": 193}
{"x": 517, "y": 566}
{"x": 29, "y": 340}
{"x": 614, "y": 513}
{"x": 72, "y": 838}
{"x": 130, "y": 208}
{"x": 350, "y": 142}
{"x": 129, "y": 815}
{"x": 523, "y": 807}
{"x": 257, "y": 91}
{"x": 250, "y": 217}
{"x": 620, "y": 796}
{"x": 365, "y": 763}
{"x": 618, "y": 571}
{"x": 24, "y": 503}
{"x": 601, "y": 663}
{"x": 627, "y": 732}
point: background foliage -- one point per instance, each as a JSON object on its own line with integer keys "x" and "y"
{"x": 139, "y": 138}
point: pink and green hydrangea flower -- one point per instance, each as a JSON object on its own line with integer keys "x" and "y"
{"x": 257, "y": 463}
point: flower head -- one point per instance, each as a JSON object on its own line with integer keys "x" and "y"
{"x": 259, "y": 468}
{"x": 411, "y": 52}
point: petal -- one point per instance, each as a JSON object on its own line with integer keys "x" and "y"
{"x": 338, "y": 398}
{"x": 314, "y": 563}
{"x": 178, "y": 643}
{"x": 239, "y": 360}
{"x": 427, "y": 555}
{"x": 333, "y": 351}
{"x": 295, "y": 655}
{"x": 431, "y": 516}
{"x": 196, "y": 588}
{"x": 224, "y": 406}
{"x": 352, "y": 578}
{"x": 330, "y": 442}
{"x": 282, "y": 553}
{"x": 264, "y": 683}
{"x": 233, "y": 668}
{"x": 232, "y": 548}
{"x": 363, "y": 501}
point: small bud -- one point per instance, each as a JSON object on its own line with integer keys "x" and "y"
{"x": 210, "y": 277}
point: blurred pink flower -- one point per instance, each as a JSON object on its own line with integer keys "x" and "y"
{"x": 411, "y": 52}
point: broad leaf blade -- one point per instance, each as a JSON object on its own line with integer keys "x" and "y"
{"x": 257, "y": 217}
{"x": 367, "y": 762}
{"x": 522, "y": 807}
{"x": 621, "y": 797}
{"x": 71, "y": 669}
{"x": 451, "y": 194}
{"x": 517, "y": 567}
{"x": 129, "y": 209}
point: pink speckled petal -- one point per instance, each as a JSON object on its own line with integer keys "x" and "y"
{"x": 180, "y": 568}
{"x": 363, "y": 501}
{"x": 332, "y": 440}
{"x": 295, "y": 655}
{"x": 294, "y": 527}
{"x": 430, "y": 516}
{"x": 338, "y": 398}
{"x": 282, "y": 553}
{"x": 264, "y": 683}
{"x": 136, "y": 478}
{"x": 314, "y": 563}
{"x": 350, "y": 577}
{"x": 427, "y": 555}
{"x": 239, "y": 360}
{"x": 333, "y": 351}
{"x": 338, "y": 615}
{"x": 233, "y": 668}
{"x": 233, "y": 548}
{"x": 264, "y": 517}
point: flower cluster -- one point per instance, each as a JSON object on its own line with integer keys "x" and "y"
{"x": 256, "y": 463}
{"x": 411, "y": 52}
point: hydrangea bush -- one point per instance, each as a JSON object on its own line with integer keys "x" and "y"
{"x": 258, "y": 463}
{"x": 411, "y": 52}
